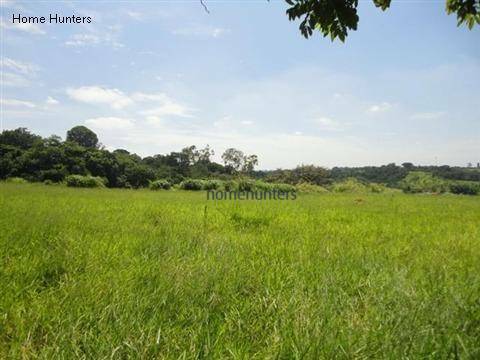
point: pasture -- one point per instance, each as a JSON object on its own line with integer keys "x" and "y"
{"x": 116, "y": 274}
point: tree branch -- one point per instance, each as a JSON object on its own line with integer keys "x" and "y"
{"x": 205, "y": 6}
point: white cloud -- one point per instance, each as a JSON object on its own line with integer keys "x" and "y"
{"x": 14, "y": 80}
{"x": 154, "y": 106}
{"x": 169, "y": 108}
{"x": 19, "y": 66}
{"x": 246, "y": 122}
{"x": 51, "y": 101}
{"x": 27, "y": 27}
{"x": 216, "y": 32}
{"x": 201, "y": 31}
{"x": 135, "y": 15}
{"x": 155, "y": 121}
{"x": 427, "y": 115}
{"x": 17, "y": 103}
{"x": 140, "y": 96}
{"x": 110, "y": 123}
{"x": 11, "y": 4}
{"x": 83, "y": 40}
{"x": 19, "y": 73}
{"x": 106, "y": 36}
{"x": 326, "y": 123}
{"x": 7, "y": 3}
{"x": 115, "y": 98}
{"x": 382, "y": 107}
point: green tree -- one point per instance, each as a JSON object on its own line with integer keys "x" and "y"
{"x": 334, "y": 18}
{"x": 311, "y": 174}
{"x": 83, "y": 136}
{"x": 20, "y": 138}
{"x": 138, "y": 175}
{"x": 104, "y": 164}
{"x": 239, "y": 162}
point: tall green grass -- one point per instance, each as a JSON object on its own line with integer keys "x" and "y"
{"x": 100, "y": 273}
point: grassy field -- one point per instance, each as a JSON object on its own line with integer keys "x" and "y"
{"x": 140, "y": 274}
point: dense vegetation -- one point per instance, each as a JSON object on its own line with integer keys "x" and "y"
{"x": 81, "y": 161}
{"x": 105, "y": 273}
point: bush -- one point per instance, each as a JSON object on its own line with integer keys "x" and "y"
{"x": 263, "y": 186}
{"x": 192, "y": 184}
{"x": 16, "y": 180}
{"x": 419, "y": 181}
{"x": 48, "y": 182}
{"x": 283, "y": 187}
{"x": 212, "y": 185}
{"x": 377, "y": 188}
{"x": 465, "y": 188}
{"x": 84, "y": 181}
{"x": 311, "y": 188}
{"x": 230, "y": 185}
{"x": 161, "y": 184}
{"x": 246, "y": 185}
{"x": 54, "y": 175}
{"x": 350, "y": 185}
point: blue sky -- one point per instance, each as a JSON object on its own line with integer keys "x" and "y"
{"x": 155, "y": 76}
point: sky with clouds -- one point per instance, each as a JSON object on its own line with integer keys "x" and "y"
{"x": 156, "y": 76}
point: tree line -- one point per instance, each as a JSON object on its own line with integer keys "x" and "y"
{"x": 34, "y": 158}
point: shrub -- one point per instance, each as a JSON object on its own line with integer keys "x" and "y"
{"x": 311, "y": 188}
{"x": 160, "y": 184}
{"x": 465, "y": 188}
{"x": 230, "y": 185}
{"x": 191, "y": 184}
{"x": 84, "y": 181}
{"x": 54, "y": 175}
{"x": 419, "y": 181}
{"x": 377, "y": 188}
{"x": 48, "y": 182}
{"x": 350, "y": 185}
{"x": 16, "y": 180}
{"x": 263, "y": 186}
{"x": 246, "y": 185}
{"x": 212, "y": 185}
{"x": 283, "y": 187}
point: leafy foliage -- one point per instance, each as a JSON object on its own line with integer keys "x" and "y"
{"x": 419, "y": 181}
{"x": 301, "y": 174}
{"x": 239, "y": 162}
{"x": 16, "y": 180}
{"x": 19, "y": 138}
{"x": 192, "y": 184}
{"x": 31, "y": 157}
{"x": 331, "y": 18}
{"x": 465, "y": 188}
{"x": 83, "y": 136}
{"x": 468, "y": 11}
{"x": 350, "y": 185}
{"x": 84, "y": 181}
{"x": 334, "y": 18}
{"x": 263, "y": 186}
{"x": 212, "y": 184}
{"x": 311, "y": 188}
{"x": 283, "y": 187}
{"x": 161, "y": 184}
{"x": 246, "y": 184}
{"x": 230, "y": 185}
